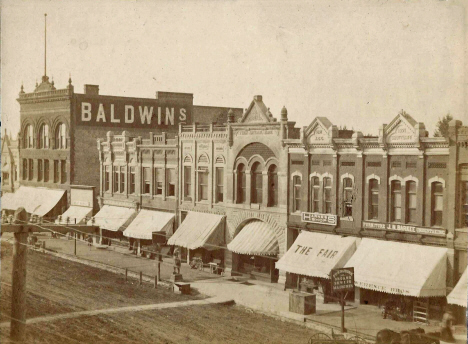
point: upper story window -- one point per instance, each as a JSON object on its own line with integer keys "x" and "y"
{"x": 116, "y": 179}
{"x": 63, "y": 175}
{"x": 347, "y": 197}
{"x": 256, "y": 184}
{"x": 396, "y": 201}
{"x": 31, "y": 169}
{"x": 159, "y": 181}
{"x": 297, "y": 193}
{"x": 61, "y": 136}
{"x": 188, "y": 183}
{"x": 327, "y": 198}
{"x": 28, "y": 139}
{"x": 241, "y": 184}
{"x": 132, "y": 180}
{"x": 464, "y": 204}
{"x": 39, "y": 170}
{"x": 314, "y": 195}
{"x": 122, "y": 179}
{"x": 411, "y": 202}
{"x": 25, "y": 169}
{"x": 44, "y": 136}
{"x": 46, "y": 171}
{"x": 171, "y": 182}
{"x": 203, "y": 184}
{"x": 56, "y": 171}
{"x": 219, "y": 184}
{"x": 146, "y": 180}
{"x": 272, "y": 186}
{"x": 5, "y": 178}
{"x": 107, "y": 178}
{"x": 437, "y": 190}
{"x": 373, "y": 213}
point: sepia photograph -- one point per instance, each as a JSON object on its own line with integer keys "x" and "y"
{"x": 233, "y": 171}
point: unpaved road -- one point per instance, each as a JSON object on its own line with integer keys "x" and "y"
{"x": 59, "y": 286}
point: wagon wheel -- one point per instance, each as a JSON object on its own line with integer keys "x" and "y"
{"x": 317, "y": 337}
{"x": 359, "y": 340}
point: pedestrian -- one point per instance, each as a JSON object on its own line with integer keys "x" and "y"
{"x": 446, "y": 327}
{"x": 90, "y": 240}
{"x": 177, "y": 262}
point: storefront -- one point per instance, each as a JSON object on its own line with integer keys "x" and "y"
{"x": 149, "y": 227}
{"x": 458, "y": 298}
{"x": 408, "y": 279}
{"x": 200, "y": 235}
{"x": 311, "y": 258}
{"x": 257, "y": 250}
{"x": 112, "y": 221}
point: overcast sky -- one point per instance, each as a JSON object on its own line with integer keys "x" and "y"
{"x": 356, "y": 62}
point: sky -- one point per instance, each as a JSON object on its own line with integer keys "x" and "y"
{"x": 357, "y": 62}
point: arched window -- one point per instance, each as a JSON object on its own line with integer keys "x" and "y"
{"x": 314, "y": 195}
{"x": 297, "y": 193}
{"x": 28, "y": 137}
{"x": 327, "y": 198}
{"x": 437, "y": 190}
{"x": 411, "y": 202}
{"x": 373, "y": 199}
{"x": 272, "y": 186}
{"x": 61, "y": 137}
{"x": 396, "y": 201}
{"x": 241, "y": 191}
{"x": 257, "y": 184}
{"x": 347, "y": 197}
{"x": 44, "y": 136}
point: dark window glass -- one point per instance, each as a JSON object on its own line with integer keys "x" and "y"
{"x": 314, "y": 195}
{"x": 203, "y": 185}
{"x": 272, "y": 186}
{"x": 122, "y": 179}
{"x": 107, "y": 178}
{"x": 56, "y": 171}
{"x": 347, "y": 197}
{"x": 256, "y": 184}
{"x": 171, "y": 180}
{"x": 63, "y": 174}
{"x": 31, "y": 169}
{"x": 373, "y": 199}
{"x": 146, "y": 180}
{"x": 159, "y": 178}
{"x": 219, "y": 184}
{"x": 40, "y": 170}
{"x": 297, "y": 193}
{"x": 396, "y": 201}
{"x": 25, "y": 169}
{"x": 327, "y": 198}
{"x": 132, "y": 180}
{"x": 241, "y": 187}
{"x": 46, "y": 171}
{"x": 411, "y": 202}
{"x": 116, "y": 179}
{"x": 437, "y": 203}
{"x": 188, "y": 183}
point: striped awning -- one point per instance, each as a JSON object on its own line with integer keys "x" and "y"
{"x": 112, "y": 218}
{"x": 148, "y": 222}
{"x": 75, "y": 214}
{"x": 458, "y": 294}
{"x": 38, "y": 201}
{"x": 199, "y": 230}
{"x": 256, "y": 238}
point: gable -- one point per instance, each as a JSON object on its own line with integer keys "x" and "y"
{"x": 257, "y": 112}
{"x": 319, "y": 131}
{"x": 401, "y": 130}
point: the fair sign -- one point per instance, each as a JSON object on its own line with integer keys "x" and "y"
{"x": 395, "y": 227}
{"x": 323, "y": 219}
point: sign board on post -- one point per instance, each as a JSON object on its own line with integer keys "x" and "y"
{"x": 342, "y": 280}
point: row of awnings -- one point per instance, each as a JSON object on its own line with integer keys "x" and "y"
{"x": 36, "y": 201}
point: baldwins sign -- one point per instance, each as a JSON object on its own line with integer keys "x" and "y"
{"x": 131, "y": 112}
{"x": 342, "y": 280}
{"x": 395, "y": 227}
{"x": 323, "y": 219}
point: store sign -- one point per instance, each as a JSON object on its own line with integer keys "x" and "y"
{"x": 394, "y": 227}
{"x": 342, "y": 280}
{"x": 104, "y": 111}
{"x": 323, "y": 219}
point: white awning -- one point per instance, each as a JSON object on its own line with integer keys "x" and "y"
{"x": 316, "y": 254}
{"x": 38, "y": 201}
{"x": 148, "y": 222}
{"x": 75, "y": 214}
{"x": 256, "y": 238}
{"x": 199, "y": 230}
{"x": 400, "y": 268}
{"x": 458, "y": 294}
{"x": 112, "y": 218}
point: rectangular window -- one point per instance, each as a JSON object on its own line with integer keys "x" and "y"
{"x": 56, "y": 171}
{"x": 347, "y": 197}
{"x": 219, "y": 184}
{"x": 63, "y": 174}
{"x": 464, "y": 204}
{"x": 411, "y": 202}
{"x": 159, "y": 181}
{"x": 203, "y": 185}
{"x": 46, "y": 171}
{"x": 115, "y": 181}
{"x": 25, "y": 169}
{"x": 39, "y": 170}
{"x": 373, "y": 199}
{"x": 146, "y": 180}
{"x": 396, "y": 201}
{"x": 122, "y": 179}
{"x": 296, "y": 193}
{"x": 31, "y": 169}
{"x": 132, "y": 180}
{"x": 327, "y": 199}
{"x": 188, "y": 183}
{"x": 314, "y": 195}
{"x": 107, "y": 178}
{"x": 171, "y": 180}
{"x": 437, "y": 203}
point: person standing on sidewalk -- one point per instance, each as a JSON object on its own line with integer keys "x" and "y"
{"x": 446, "y": 327}
{"x": 177, "y": 262}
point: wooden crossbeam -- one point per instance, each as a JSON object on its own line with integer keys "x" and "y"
{"x": 48, "y": 228}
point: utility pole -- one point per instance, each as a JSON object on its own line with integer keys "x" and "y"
{"x": 18, "y": 302}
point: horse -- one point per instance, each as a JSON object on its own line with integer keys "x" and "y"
{"x": 413, "y": 336}
{"x": 387, "y": 336}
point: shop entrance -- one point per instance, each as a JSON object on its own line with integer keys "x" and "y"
{"x": 259, "y": 267}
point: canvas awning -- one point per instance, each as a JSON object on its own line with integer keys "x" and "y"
{"x": 75, "y": 214}
{"x": 199, "y": 230}
{"x": 458, "y": 294}
{"x": 400, "y": 268}
{"x": 256, "y": 238}
{"x": 148, "y": 222}
{"x": 316, "y": 254}
{"x": 112, "y": 218}
{"x": 38, "y": 201}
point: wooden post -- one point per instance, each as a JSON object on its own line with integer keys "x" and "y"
{"x": 75, "y": 244}
{"x": 342, "y": 302}
{"x": 126, "y": 274}
{"x": 158, "y": 274}
{"x": 18, "y": 305}
{"x": 155, "y": 282}
{"x": 141, "y": 277}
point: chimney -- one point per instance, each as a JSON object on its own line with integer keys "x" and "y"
{"x": 92, "y": 90}
{"x": 258, "y": 98}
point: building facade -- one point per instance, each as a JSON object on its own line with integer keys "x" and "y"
{"x": 10, "y": 159}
